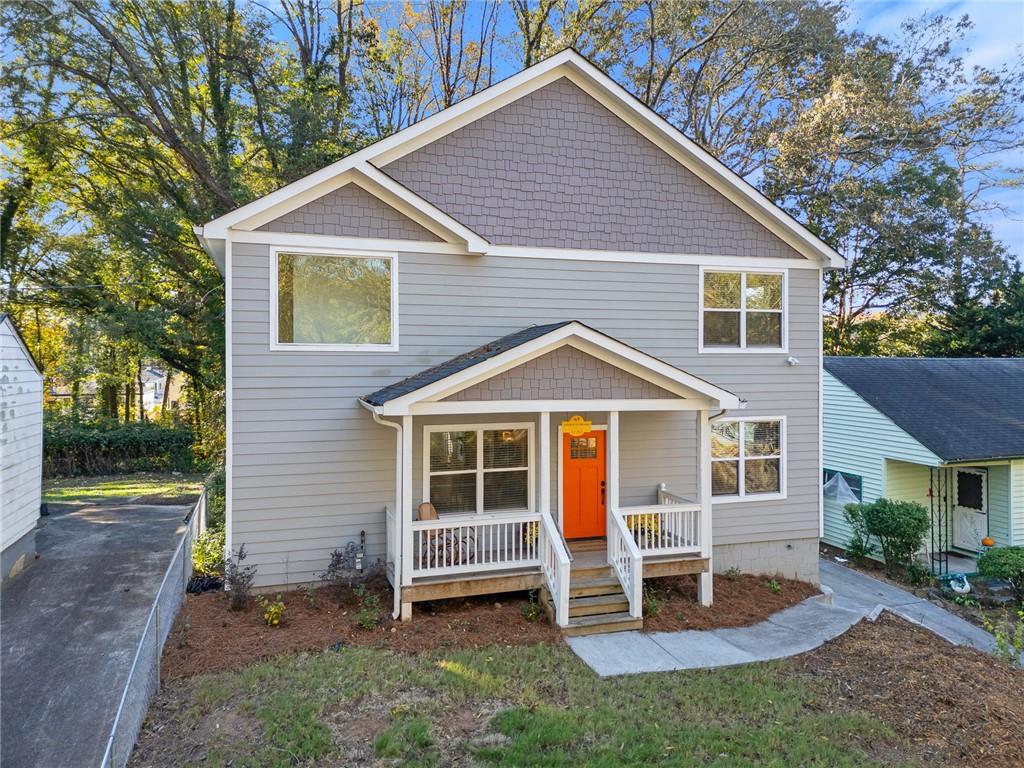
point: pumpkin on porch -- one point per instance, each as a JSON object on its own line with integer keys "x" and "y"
{"x": 988, "y": 541}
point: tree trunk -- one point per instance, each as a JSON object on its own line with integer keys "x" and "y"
{"x": 142, "y": 391}
{"x": 167, "y": 390}
{"x": 128, "y": 395}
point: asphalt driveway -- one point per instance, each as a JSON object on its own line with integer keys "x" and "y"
{"x": 69, "y": 626}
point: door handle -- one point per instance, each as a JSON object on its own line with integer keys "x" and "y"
{"x": 602, "y": 493}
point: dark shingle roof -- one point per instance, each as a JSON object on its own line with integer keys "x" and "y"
{"x": 960, "y": 409}
{"x": 460, "y": 363}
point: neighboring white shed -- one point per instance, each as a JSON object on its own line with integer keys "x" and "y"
{"x": 21, "y": 449}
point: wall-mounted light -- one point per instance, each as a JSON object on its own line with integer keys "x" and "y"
{"x": 792, "y": 361}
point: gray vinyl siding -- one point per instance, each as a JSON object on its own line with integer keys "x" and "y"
{"x": 311, "y": 469}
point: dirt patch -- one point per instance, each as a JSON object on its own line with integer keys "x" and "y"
{"x": 959, "y": 706}
{"x": 740, "y": 600}
{"x": 207, "y": 637}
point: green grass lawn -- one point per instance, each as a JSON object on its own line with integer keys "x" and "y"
{"x": 146, "y": 486}
{"x": 520, "y": 706}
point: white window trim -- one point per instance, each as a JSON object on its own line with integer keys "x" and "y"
{"x": 743, "y": 495}
{"x": 743, "y": 348}
{"x": 983, "y": 473}
{"x": 280, "y": 346}
{"x": 531, "y": 462}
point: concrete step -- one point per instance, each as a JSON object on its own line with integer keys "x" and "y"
{"x": 608, "y": 622}
{"x": 601, "y": 585}
{"x": 598, "y": 604}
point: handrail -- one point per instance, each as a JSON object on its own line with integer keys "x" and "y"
{"x": 480, "y": 519}
{"x": 664, "y": 529}
{"x": 626, "y": 561}
{"x": 556, "y": 563}
{"x": 665, "y": 496}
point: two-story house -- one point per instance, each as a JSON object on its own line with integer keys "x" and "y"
{"x": 539, "y": 339}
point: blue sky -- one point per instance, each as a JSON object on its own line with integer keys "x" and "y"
{"x": 996, "y": 38}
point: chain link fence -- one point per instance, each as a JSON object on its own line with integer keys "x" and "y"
{"x": 144, "y": 675}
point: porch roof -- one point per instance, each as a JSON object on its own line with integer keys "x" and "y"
{"x": 440, "y": 381}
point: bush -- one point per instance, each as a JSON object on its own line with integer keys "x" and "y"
{"x": 216, "y": 499}
{"x": 72, "y": 448}
{"x": 369, "y": 607}
{"x": 899, "y": 526}
{"x": 860, "y": 546}
{"x": 273, "y": 610}
{"x": 208, "y": 553}
{"x": 1007, "y": 564}
{"x": 238, "y": 579}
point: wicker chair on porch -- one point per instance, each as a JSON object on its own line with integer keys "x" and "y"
{"x": 445, "y": 546}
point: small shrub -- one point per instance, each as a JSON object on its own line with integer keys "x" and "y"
{"x": 1009, "y": 637}
{"x": 369, "y": 607}
{"x": 531, "y": 609}
{"x": 238, "y": 580}
{"x": 859, "y": 547}
{"x": 216, "y": 498}
{"x": 309, "y": 594}
{"x": 899, "y": 527}
{"x": 917, "y": 574}
{"x": 107, "y": 447}
{"x": 773, "y": 586}
{"x": 733, "y": 573}
{"x": 1006, "y": 564}
{"x": 208, "y": 553}
{"x": 341, "y": 571}
{"x": 652, "y": 603}
{"x": 965, "y": 601}
{"x": 273, "y": 611}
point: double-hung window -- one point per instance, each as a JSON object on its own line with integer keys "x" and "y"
{"x": 334, "y": 301}
{"x": 743, "y": 310}
{"x": 748, "y": 458}
{"x": 478, "y": 469}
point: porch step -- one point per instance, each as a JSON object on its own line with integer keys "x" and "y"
{"x": 605, "y": 622}
{"x": 598, "y": 585}
{"x": 587, "y": 545}
{"x": 590, "y": 571}
{"x": 598, "y": 604}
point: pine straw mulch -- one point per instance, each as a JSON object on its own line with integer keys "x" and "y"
{"x": 957, "y": 705}
{"x": 208, "y": 637}
{"x": 740, "y": 601}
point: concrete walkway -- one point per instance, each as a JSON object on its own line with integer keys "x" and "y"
{"x": 849, "y": 597}
{"x": 69, "y": 626}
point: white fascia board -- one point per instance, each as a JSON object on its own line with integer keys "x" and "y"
{"x": 594, "y": 342}
{"x": 642, "y": 257}
{"x": 299, "y": 240}
{"x": 458, "y": 407}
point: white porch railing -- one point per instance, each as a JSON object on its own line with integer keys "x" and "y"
{"x": 627, "y": 562}
{"x": 470, "y": 544}
{"x": 556, "y": 563}
{"x": 664, "y": 529}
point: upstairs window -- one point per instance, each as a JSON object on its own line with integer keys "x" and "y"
{"x": 747, "y": 458}
{"x": 484, "y": 469}
{"x": 742, "y": 310}
{"x": 334, "y": 302}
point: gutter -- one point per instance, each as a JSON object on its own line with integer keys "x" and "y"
{"x": 396, "y": 588}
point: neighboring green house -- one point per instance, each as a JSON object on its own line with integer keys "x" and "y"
{"x": 947, "y": 433}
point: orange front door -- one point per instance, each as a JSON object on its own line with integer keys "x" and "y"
{"x": 583, "y": 485}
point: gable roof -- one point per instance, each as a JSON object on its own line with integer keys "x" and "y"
{"x": 568, "y": 64}
{"x": 961, "y": 409}
{"x": 6, "y": 319}
{"x": 518, "y": 347}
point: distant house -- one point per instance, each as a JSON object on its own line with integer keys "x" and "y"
{"x": 946, "y": 433}
{"x": 21, "y": 449}
{"x": 154, "y": 381}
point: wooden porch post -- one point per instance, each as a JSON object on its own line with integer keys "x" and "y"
{"x": 544, "y": 463}
{"x": 705, "y": 583}
{"x": 406, "y": 512}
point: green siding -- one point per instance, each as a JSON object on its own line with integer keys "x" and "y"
{"x": 999, "y": 504}
{"x": 858, "y": 439}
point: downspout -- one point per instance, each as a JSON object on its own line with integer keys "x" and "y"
{"x": 396, "y": 587}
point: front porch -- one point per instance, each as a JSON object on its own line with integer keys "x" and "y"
{"x": 514, "y": 454}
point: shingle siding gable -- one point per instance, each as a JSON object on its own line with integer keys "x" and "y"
{"x": 558, "y": 169}
{"x": 350, "y": 211}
